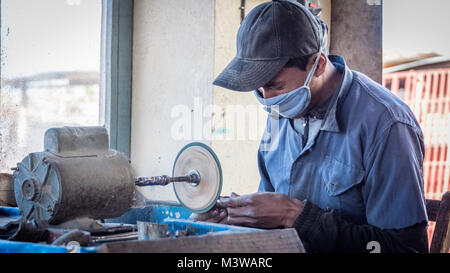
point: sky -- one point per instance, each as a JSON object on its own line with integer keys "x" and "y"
{"x": 416, "y": 26}
{"x": 50, "y": 35}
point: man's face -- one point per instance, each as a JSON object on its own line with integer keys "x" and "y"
{"x": 287, "y": 80}
{"x": 290, "y": 78}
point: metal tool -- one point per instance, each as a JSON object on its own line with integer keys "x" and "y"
{"x": 193, "y": 178}
{"x": 196, "y": 177}
{"x": 76, "y": 176}
{"x": 113, "y": 238}
{"x": 200, "y": 158}
{"x": 79, "y": 176}
{"x": 152, "y": 231}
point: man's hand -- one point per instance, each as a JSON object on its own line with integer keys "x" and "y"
{"x": 215, "y": 215}
{"x": 262, "y": 210}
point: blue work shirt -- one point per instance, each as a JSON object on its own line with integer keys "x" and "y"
{"x": 365, "y": 163}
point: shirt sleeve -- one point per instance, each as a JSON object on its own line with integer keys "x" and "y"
{"x": 323, "y": 231}
{"x": 264, "y": 184}
{"x": 393, "y": 187}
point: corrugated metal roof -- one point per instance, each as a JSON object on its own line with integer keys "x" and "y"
{"x": 418, "y": 63}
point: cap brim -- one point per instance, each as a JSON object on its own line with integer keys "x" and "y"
{"x": 248, "y": 75}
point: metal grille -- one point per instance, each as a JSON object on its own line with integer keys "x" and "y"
{"x": 426, "y": 92}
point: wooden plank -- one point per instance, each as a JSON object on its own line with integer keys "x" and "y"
{"x": 441, "y": 236}
{"x": 432, "y": 209}
{"x": 271, "y": 241}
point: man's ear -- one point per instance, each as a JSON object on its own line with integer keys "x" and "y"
{"x": 322, "y": 65}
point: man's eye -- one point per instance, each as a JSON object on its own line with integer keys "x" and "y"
{"x": 279, "y": 88}
{"x": 275, "y": 87}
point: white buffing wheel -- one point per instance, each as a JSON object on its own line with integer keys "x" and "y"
{"x": 198, "y": 157}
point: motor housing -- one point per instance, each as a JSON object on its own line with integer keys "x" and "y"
{"x": 76, "y": 176}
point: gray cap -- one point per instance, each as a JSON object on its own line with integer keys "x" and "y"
{"x": 270, "y": 35}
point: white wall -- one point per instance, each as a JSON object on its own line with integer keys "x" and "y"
{"x": 172, "y": 63}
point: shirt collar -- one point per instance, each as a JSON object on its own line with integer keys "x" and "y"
{"x": 330, "y": 122}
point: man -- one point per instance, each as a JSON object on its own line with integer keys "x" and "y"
{"x": 345, "y": 169}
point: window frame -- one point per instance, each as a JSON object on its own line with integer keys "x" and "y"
{"x": 116, "y": 72}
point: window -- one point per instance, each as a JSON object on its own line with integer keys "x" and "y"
{"x": 50, "y": 66}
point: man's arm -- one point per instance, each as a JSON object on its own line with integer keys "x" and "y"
{"x": 320, "y": 230}
{"x": 393, "y": 197}
{"x": 323, "y": 231}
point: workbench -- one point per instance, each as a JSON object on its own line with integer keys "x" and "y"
{"x": 206, "y": 237}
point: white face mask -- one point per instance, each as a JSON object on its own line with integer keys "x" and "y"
{"x": 292, "y": 104}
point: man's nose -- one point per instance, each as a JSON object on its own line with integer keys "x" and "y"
{"x": 267, "y": 94}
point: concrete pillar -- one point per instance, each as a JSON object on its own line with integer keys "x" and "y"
{"x": 357, "y": 35}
